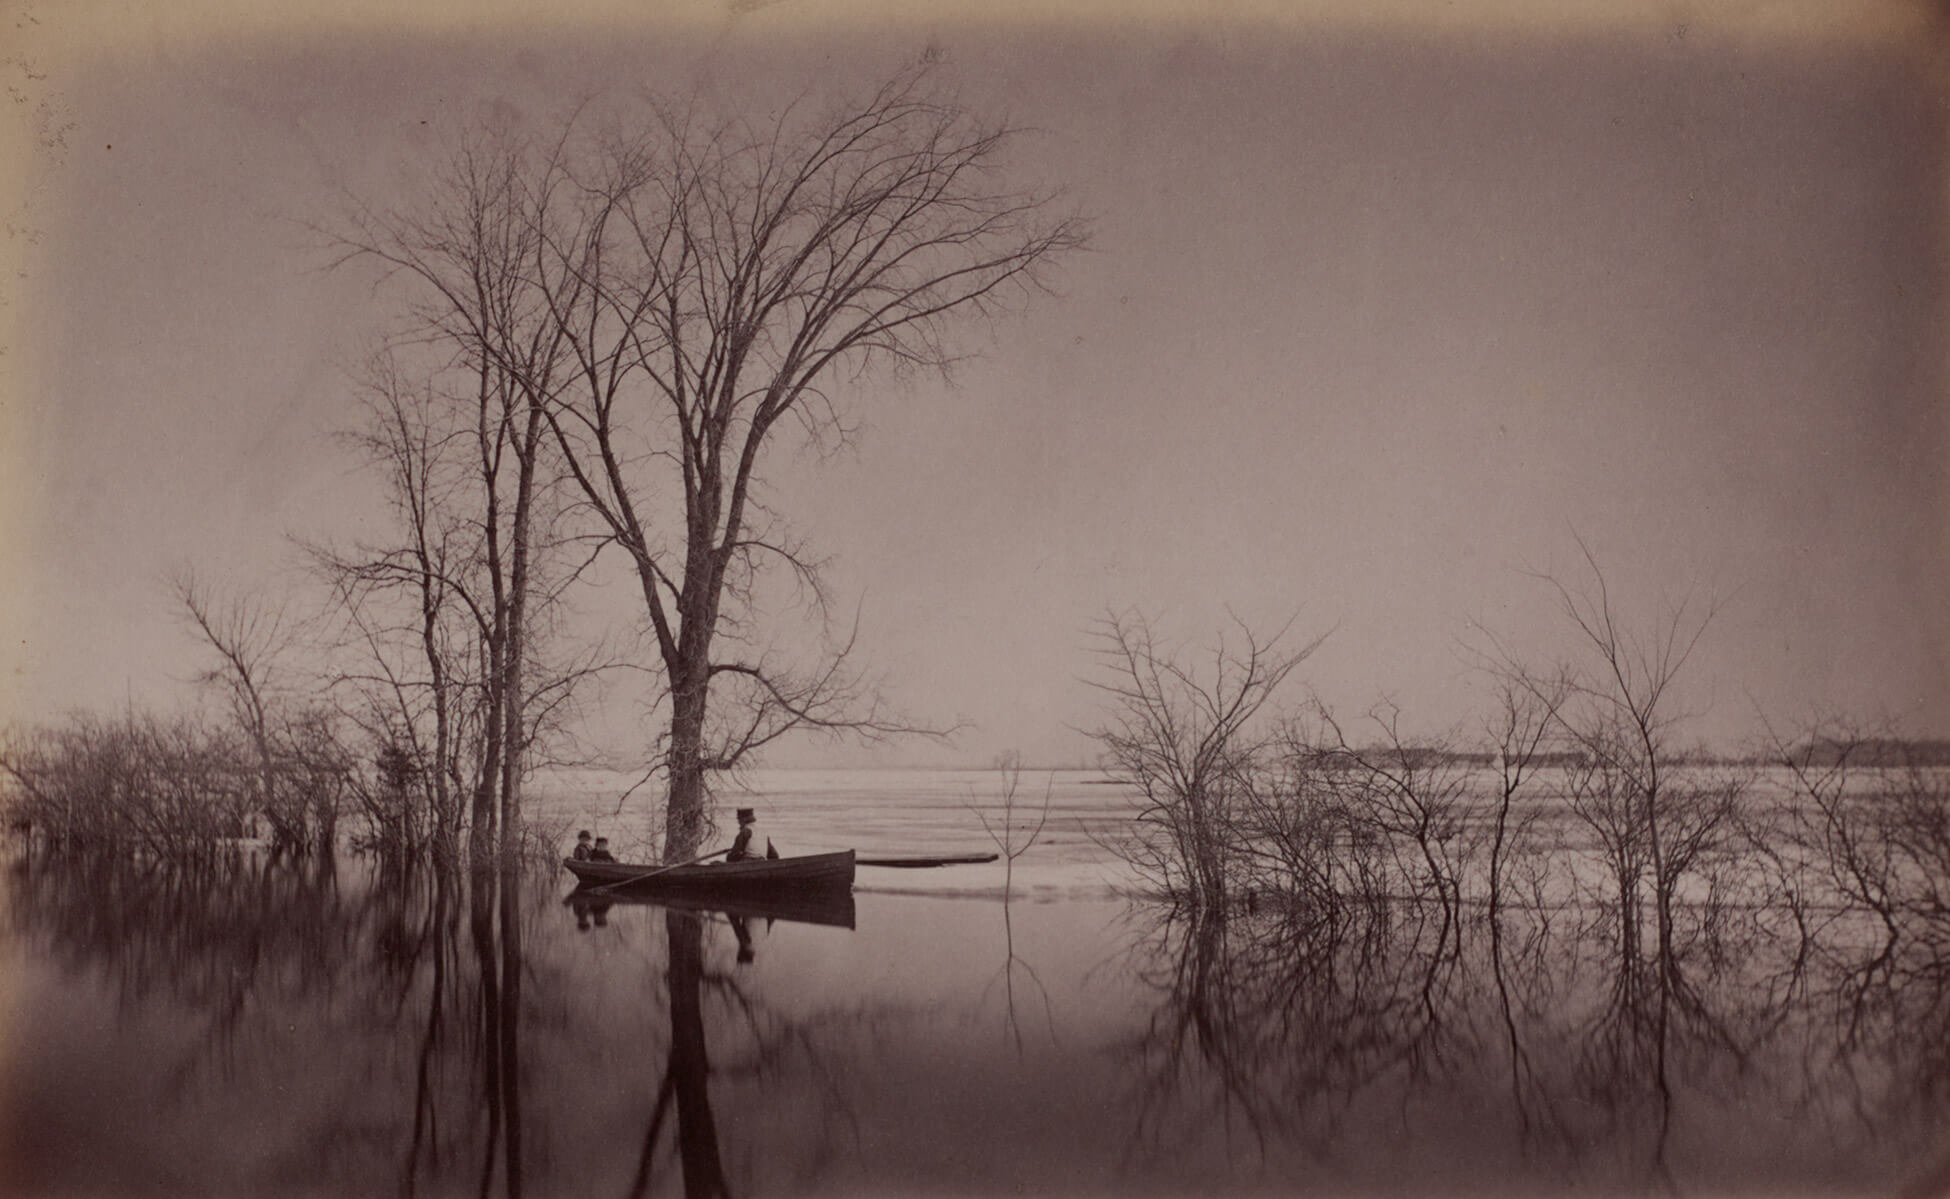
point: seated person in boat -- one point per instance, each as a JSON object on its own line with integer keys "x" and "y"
{"x": 601, "y": 852}
{"x": 582, "y": 846}
{"x": 741, "y": 847}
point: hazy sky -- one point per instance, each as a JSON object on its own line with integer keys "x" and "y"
{"x": 1376, "y": 315}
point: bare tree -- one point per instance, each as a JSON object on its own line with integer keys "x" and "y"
{"x": 1013, "y": 839}
{"x": 248, "y": 636}
{"x": 1521, "y": 731}
{"x": 1620, "y": 712}
{"x": 1869, "y": 818}
{"x": 660, "y": 302}
{"x": 1187, "y": 740}
{"x": 409, "y": 612}
{"x": 1412, "y": 794}
{"x": 716, "y": 279}
{"x": 469, "y": 452}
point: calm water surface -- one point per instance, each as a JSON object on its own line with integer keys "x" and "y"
{"x": 277, "y": 1031}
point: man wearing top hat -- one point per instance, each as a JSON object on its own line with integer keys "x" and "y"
{"x": 741, "y": 847}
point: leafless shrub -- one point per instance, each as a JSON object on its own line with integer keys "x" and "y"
{"x": 1521, "y": 734}
{"x": 168, "y": 789}
{"x": 1309, "y": 842}
{"x": 1619, "y": 713}
{"x": 1188, "y": 739}
{"x": 1869, "y": 820}
{"x": 1011, "y": 837}
{"x": 1412, "y": 796}
{"x": 1012, "y": 840}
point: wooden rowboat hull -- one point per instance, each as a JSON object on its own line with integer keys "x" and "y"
{"x": 813, "y": 871}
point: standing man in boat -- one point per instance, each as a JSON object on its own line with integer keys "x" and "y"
{"x": 741, "y": 848}
{"x": 582, "y": 846}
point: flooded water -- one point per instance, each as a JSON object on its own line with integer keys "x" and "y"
{"x": 256, "y": 1030}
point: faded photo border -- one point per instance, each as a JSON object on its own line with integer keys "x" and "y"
{"x": 50, "y": 51}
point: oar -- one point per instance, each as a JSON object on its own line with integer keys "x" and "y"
{"x": 637, "y": 878}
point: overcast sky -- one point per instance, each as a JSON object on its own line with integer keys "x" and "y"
{"x": 1376, "y": 315}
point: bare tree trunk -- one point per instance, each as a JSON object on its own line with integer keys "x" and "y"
{"x": 1662, "y": 882}
{"x": 686, "y": 806}
{"x": 486, "y": 784}
{"x": 514, "y": 737}
{"x": 439, "y": 790}
{"x": 486, "y": 813}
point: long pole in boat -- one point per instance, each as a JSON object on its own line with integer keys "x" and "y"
{"x": 637, "y": 878}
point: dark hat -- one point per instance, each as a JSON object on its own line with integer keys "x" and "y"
{"x": 583, "y": 835}
{"x": 602, "y": 840}
{"x": 747, "y": 814}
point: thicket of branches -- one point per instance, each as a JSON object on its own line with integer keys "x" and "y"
{"x": 1245, "y": 804}
{"x": 176, "y": 789}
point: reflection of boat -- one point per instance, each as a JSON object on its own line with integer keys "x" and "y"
{"x": 820, "y": 871}
{"x": 829, "y": 906}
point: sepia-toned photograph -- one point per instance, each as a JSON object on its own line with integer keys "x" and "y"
{"x": 741, "y": 598}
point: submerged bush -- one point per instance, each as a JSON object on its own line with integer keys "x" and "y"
{"x": 1187, "y": 740}
{"x": 172, "y": 788}
{"x": 168, "y": 788}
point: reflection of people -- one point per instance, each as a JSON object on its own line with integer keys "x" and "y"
{"x": 584, "y": 907}
{"x": 741, "y": 847}
{"x": 601, "y": 852}
{"x": 582, "y": 846}
{"x": 745, "y": 951}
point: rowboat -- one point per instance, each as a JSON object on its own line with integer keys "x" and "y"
{"x": 817, "y": 871}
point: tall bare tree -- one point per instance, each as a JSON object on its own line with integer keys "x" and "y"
{"x": 710, "y": 283}
{"x": 493, "y": 355}
{"x": 660, "y": 301}
{"x": 408, "y": 606}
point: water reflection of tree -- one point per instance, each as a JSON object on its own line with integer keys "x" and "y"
{"x": 441, "y": 1027}
{"x": 709, "y": 1003}
{"x": 498, "y": 947}
{"x": 1279, "y": 1018}
{"x": 208, "y": 934}
{"x": 247, "y": 950}
{"x": 1283, "y": 1022}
